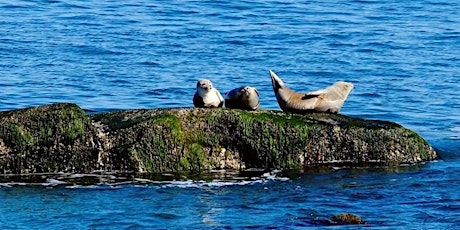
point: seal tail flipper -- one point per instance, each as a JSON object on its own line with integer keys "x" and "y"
{"x": 276, "y": 81}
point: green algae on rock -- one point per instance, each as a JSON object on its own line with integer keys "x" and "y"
{"x": 61, "y": 137}
{"x": 47, "y": 139}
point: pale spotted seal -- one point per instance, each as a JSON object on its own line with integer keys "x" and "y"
{"x": 329, "y": 100}
{"x": 206, "y": 96}
{"x": 246, "y": 98}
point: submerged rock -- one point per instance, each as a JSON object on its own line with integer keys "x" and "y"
{"x": 347, "y": 218}
{"x": 63, "y": 138}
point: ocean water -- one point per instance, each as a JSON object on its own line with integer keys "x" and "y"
{"x": 402, "y": 56}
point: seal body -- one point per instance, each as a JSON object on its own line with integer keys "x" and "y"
{"x": 206, "y": 96}
{"x": 246, "y": 98}
{"x": 328, "y": 100}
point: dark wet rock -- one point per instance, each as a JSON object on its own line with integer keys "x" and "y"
{"x": 55, "y": 138}
{"x": 63, "y": 138}
{"x": 347, "y": 218}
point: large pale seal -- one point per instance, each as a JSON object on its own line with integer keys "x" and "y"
{"x": 246, "y": 98}
{"x": 206, "y": 96}
{"x": 329, "y": 100}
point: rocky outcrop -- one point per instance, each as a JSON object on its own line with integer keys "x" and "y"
{"x": 346, "y": 218}
{"x": 63, "y": 138}
{"x": 55, "y": 138}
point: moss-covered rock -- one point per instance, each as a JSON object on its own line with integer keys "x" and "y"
{"x": 61, "y": 137}
{"x": 198, "y": 139}
{"x": 55, "y": 138}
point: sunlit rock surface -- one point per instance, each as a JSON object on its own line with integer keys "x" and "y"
{"x": 63, "y": 138}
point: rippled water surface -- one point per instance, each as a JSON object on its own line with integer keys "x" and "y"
{"x": 402, "y": 56}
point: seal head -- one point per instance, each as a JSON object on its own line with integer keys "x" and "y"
{"x": 246, "y": 98}
{"x": 206, "y": 96}
{"x": 328, "y": 100}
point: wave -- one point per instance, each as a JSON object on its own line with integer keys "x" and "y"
{"x": 100, "y": 180}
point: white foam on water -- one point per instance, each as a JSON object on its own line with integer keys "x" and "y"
{"x": 202, "y": 184}
{"x": 141, "y": 180}
{"x": 273, "y": 175}
{"x": 114, "y": 181}
{"x": 13, "y": 184}
{"x": 266, "y": 177}
{"x": 53, "y": 182}
{"x": 83, "y": 186}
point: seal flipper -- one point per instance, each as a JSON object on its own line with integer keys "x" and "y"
{"x": 198, "y": 101}
{"x": 221, "y": 99}
{"x": 310, "y": 96}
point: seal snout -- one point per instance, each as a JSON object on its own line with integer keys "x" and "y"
{"x": 349, "y": 85}
{"x": 346, "y": 86}
{"x": 245, "y": 91}
{"x": 204, "y": 84}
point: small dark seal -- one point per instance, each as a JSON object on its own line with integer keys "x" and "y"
{"x": 246, "y": 98}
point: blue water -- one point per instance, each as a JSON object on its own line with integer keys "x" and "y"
{"x": 402, "y": 56}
